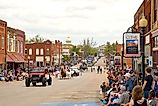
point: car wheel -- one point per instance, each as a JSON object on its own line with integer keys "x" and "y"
{"x": 34, "y": 83}
{"x": 44, "y": 80}
{"x": 27, "y": 82}
{"x": 50, "y": 81}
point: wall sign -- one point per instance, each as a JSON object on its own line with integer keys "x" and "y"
{"x": 131, "y": 44}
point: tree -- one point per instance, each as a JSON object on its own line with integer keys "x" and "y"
{"x": 75, "y": 49}
{"x": 110, "y": 49}
{"x": 36, "y": 39}
{"x": 88, "y": 47}
{"x": 66, "y": 58}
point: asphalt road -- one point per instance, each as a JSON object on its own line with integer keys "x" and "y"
{"x": 82, "y": 88}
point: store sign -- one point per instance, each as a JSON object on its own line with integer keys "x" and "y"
{"x": 131, "y": 44}
{"x": 117, "y": 60}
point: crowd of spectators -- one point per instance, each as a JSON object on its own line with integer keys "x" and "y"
{"x": 126, "y": 88}
{"x": 11, "y": 75}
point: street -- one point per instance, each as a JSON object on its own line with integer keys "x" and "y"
{"x": 82, "y": 88}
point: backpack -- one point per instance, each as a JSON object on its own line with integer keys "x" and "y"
{"x": 156, "y": 87}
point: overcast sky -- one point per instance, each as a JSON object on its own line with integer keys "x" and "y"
{"x": 104, "y": 20}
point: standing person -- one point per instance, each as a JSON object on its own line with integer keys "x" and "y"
{"x": 148, "y": 81}
{"x": 98, "y": 69}
{"x": 137, "y": 97}
{"x": 155, "y": 83}
{"x": 101, "y": 70}
{"x": 104, "y": 88}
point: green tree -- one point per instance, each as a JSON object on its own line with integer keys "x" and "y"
{"x": 110, "y": 48}
{"x": 66, "y": 58}
{"x": 36, "y": 39}
{"x": 75, "y": 49}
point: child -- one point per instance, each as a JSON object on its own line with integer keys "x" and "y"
{"x": 104, "y": 89}
{"x": 151, "y": 98}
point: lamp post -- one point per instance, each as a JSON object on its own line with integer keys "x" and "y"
{"x": 28, "y": 58}
{"x": 143, "y": 24}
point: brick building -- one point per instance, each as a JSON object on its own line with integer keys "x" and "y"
{"x": 154, "y": 26}
{"x": 3, "y": 34}
{"x": 15, "y": 48}
{"x": 126, "y": 61}
{"x": 43, "y": 54}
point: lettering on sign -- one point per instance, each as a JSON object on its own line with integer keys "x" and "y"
{"x": 132, "y": 37}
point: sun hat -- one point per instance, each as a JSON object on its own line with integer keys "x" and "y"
{"x": 127, "y": 75}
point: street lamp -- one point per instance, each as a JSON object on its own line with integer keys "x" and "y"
{"x": 143, "y": 24}
{"x": 28, "y": 58}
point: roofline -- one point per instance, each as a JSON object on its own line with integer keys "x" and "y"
{"x": 139, "y": 7}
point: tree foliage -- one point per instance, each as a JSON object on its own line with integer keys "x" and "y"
{"x": 88, "y": 47}
{"x": 66, "y": 58}
{"x": 36, "y": 39}
{"x": 75, "y": 49}
{"x": 110, "y": 49}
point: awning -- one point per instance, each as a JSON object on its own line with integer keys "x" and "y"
{"x": 19, "y": 58}
{"x": 9, "y": 58}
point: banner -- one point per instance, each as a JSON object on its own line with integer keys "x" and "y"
{"x": 131, "y": 44}
{"x": 117, "y": 60}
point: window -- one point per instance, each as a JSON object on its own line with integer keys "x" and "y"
{"x": 25, "y": 51}
{"x": 2, "y": 42}
{"x": 30, "y": 51}
{"x": 155, "y": 10}
{"x": 37, "y": 51}
{"x": 47, "y": 52}
{"x": 21, "y": 47}
{"x": 41, "y": 51}
{"x": 156, "y": 41}
{"x": 18, "y": 43}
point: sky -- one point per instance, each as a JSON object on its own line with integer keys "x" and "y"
{"x": 102, "y": 20}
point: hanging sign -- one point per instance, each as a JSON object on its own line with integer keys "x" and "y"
{"x": 131, "y": 44}
{"x": 117, "y": 60}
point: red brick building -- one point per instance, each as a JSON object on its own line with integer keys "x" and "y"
{"x": 43, "y": 54}
{"x": 126, "y": 61}
{"x": 3, "y": 34}
{"x": 15, "y": 48}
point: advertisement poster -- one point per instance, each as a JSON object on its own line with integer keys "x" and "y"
{"x": 117, "y": 60}
{"x": 132, "y": 44}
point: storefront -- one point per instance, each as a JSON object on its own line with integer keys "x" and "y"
{"x": 155, "y": 47}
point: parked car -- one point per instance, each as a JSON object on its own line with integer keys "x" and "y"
{"x": 38, "y": 76}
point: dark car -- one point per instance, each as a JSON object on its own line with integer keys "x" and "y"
{"x": 38, "y": 76}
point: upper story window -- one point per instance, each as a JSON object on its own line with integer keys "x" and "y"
{"x": 30, "y": 51}
{"x": 25, "y": 51}
{"x": 41, "y": 51}
{"x": 155, "y": 42}
{"x": 2, "y": 42}
{"x": 37, "y": 51}
{"x": 47, "y": 52}
{"x": 18, "y": 46}
{"x": 155, "y": 10}
{"x": 21, "y": 47}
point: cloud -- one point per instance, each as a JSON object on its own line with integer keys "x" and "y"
{"x": 55, "y": 19}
